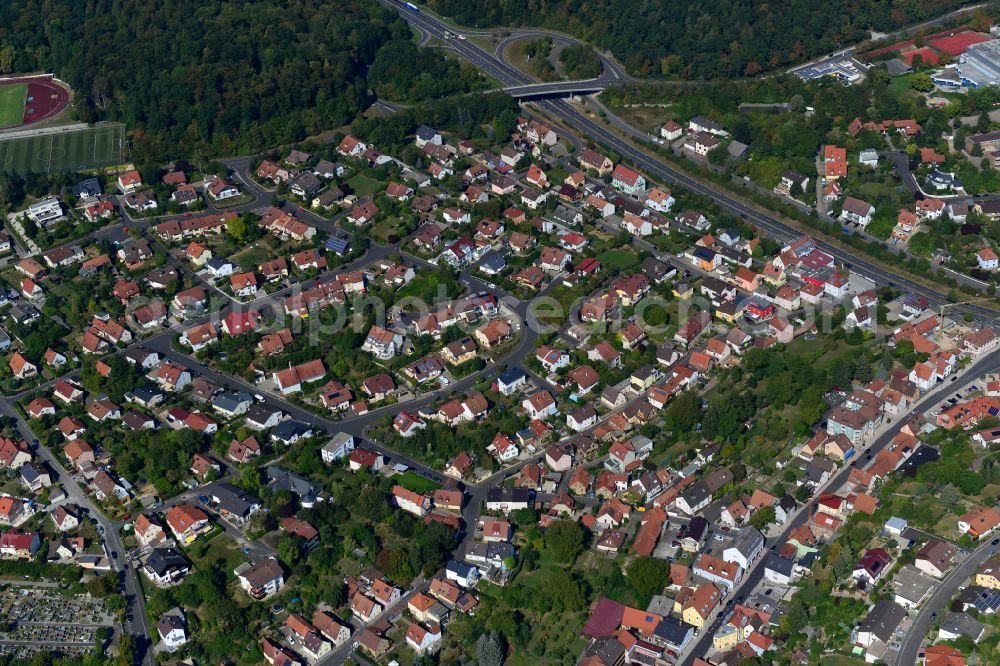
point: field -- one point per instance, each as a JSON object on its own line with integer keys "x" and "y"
{"x": 76, "y": 150}
{"x": 12, "y": 104}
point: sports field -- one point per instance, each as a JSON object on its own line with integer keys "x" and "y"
{"x": 12, "y": 104}
{"x": 73, "y": 150}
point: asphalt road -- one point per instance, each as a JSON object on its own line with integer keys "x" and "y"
{"x": 561, "y": 109}
{"x": 989, "y": 363}
{"x": 509, "y": 77}
{"x": 942, "y": 594}
{"x": 138, "y": 627}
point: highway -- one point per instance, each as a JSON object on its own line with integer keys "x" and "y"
{"x": 562, "y": 109}
{"x": 357, "y": 426}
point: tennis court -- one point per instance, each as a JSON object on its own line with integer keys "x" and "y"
{"x": 12, "y": 104}
{"x": 71, "y": 150}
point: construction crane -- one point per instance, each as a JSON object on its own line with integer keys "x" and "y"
{"x": 944, "y": 306}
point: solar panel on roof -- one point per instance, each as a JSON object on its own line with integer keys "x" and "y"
{"x": 336, "y": 245}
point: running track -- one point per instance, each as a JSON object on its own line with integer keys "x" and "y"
{"x": 47, "y": 98}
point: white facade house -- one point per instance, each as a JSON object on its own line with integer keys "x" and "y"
{"x": 338, "y": 448}
{"x": 45, "y": 211}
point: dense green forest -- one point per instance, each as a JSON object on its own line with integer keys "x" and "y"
{"x": 703, "y": 38}
{"x": 213, "y": 77}
{"x": 402, "y": 72}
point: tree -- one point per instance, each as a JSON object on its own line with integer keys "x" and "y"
{"x": 762, "y": 517}
{"x": 238, "y": 228}
{"x": 490, "y": 649}
{"x": 564, "y": 539}
{"x": 250, "y": 479}
{"x": 99, "y": 586}
{"x": 126, "y": 650}
{"x": 921, "y": 82}
{"x": 565, "y": 594}
{"x": 948, "y": 495}
{"x": 795, "y": 619}
{"x": 843, "y": 563}
{"x": 289, "y": 547}
{"x": 648, "y": 575}
{"x": 684, "y": 412}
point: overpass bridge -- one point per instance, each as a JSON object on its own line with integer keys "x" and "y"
{"x": 557, "y": 89}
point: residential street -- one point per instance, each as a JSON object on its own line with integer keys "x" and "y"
{"x": 605, "y": 131}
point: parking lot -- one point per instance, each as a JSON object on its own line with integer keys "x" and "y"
{"x": 961, "y": 394}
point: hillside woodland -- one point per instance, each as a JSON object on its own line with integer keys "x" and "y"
{"x": 703, "y": 39}
{"x": 222, "y": 78}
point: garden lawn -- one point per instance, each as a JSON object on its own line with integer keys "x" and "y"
{"x": 620, "y": 259}
{"x": 841, "y": 660}
{"x": 252, "y": 257}
{"x": 417, "y": 483}
{"x": 216, "y": 548}
{"x": 363, "y": 186}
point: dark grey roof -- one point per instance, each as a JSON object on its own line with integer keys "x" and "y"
{"x": 608, "y": 649}
{"x": 564, "y": 214}
{"x": 707, "y": 123}
{"x": 426, "y": 133}
{"x": 260, "y": 413}
{"x": 86, "y": 188}
{"x": 779, "y": 564}
{"x": 216, "y": 263}
{"x": 230, "y": 401}
{"x": 963, "y": 624}
{"x": 21, "y": 312}
{"x": 509, "y": 495}
{"x": 736, "y": 148}
{"x": 493, "y": 261}
{"x": 282, "y": 479}
{"x": 654, "y": 268}
{"x": 162, "y": 560}
{"x": 511, "y": 375}
{"x": 883, "y": 619}
{"x": 146, "y": 393}
{"x": 673, "y": 631}
{"x": 492, "y": 550}
{"x": 234, "y": 500}
{"x": 286, "y": 431}
{"x": 696, "y": 493}
{"x": 460, "y": 568}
